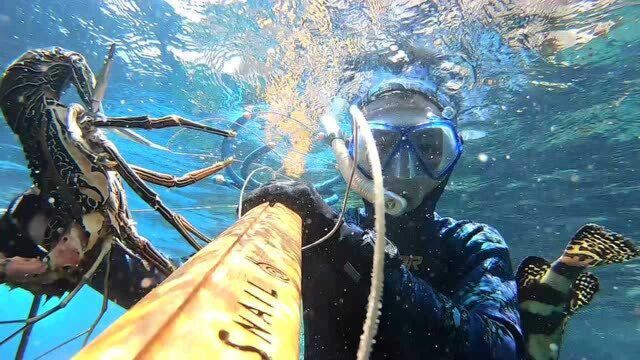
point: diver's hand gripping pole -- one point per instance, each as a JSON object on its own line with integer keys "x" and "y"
{"x": 394, "y": 204}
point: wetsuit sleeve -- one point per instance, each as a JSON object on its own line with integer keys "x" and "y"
{"x": 479, "y": 318}
{"x": 129, "y": 279}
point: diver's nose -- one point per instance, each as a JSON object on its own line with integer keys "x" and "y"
{"x": 404, "y": 164}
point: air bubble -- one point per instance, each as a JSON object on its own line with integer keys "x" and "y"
{"x": 483, "y": 157}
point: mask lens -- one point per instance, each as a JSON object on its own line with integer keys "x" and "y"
{"x": 429, "y": 144}
{"x": 386, "y": 142}
{"x": 437, "y": 148}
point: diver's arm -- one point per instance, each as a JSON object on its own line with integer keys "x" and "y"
{"x": 129, "y": 278}
{"x": 475, "y": 324}
{"x": 479, "y": 320}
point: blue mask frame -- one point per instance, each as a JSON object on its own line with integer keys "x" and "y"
{"x": 407, "y": 140}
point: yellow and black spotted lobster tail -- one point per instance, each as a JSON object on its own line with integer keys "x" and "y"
{"x": 549, "y": 293}
{"x": 594, "y": 245}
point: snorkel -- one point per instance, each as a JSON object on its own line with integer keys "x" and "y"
{"x": 394, "y": 204}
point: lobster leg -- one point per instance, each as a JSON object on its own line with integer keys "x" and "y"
{"x": 149, "y": 123}
{"x": 105, "y": 301}
{"x": 187, "y": 179}
{"x": 150, "y": 197}
{"x": 106, "y": 247}
{"x": 146, "y": 251}
{"x": 103, "y": 309}
{"x": 24, "y": 341}
{"x": 136, "y": 246}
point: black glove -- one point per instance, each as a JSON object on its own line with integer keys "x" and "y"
{"x": 15, "y": 238}
{"x": 317, "y": 217}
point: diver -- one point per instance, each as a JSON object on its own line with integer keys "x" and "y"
{"x": 449, "y": 290}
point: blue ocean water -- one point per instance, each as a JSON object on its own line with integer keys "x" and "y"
{"x": 547, "y": 91}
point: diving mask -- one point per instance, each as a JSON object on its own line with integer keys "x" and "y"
{"x": 413, "y": 139}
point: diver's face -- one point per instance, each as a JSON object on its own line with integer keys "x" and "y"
{"x": 417, "y": 147}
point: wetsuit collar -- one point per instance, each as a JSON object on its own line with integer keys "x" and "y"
{"x": 407, "y": 231}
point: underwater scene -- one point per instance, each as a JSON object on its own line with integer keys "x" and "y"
{"x": 500, "y": 137}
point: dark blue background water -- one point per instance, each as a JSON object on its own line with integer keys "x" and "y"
{"x": 562, "y": 145}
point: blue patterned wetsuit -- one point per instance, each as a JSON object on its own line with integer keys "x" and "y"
{"x": 455, "y": 299}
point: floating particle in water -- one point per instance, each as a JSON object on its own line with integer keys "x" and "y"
{"x": 508, "y": 157}
{"x": 123, "y": 101}
{"x": 552, "y": 128}
{"x": 63, "y": 30}
{"x": 51, "y": 200}
{"x": 483, "y": 157}
{"x": 575, "y": 178}
{"x": 146, "y": 282}
{"x": 553, "y": 347}
{"x": 219, "y": 179}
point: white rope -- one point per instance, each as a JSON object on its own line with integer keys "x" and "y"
{"x": 246, "y": 181}
{"x": 335, "y": 228}
{"x": 370, "y": 327}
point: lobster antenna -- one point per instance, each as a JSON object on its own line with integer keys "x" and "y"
{"x": 99, "y": 92}
{"x": 102, "y": 81}
{"x": 26, "y": 333}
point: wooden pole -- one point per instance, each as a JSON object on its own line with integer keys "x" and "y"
{"x": 238, "y": 298}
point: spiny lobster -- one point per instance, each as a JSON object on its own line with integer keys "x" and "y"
{"x": 77, "y": 172}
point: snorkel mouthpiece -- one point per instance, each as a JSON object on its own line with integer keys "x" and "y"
{"x": 394, "y": 204}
